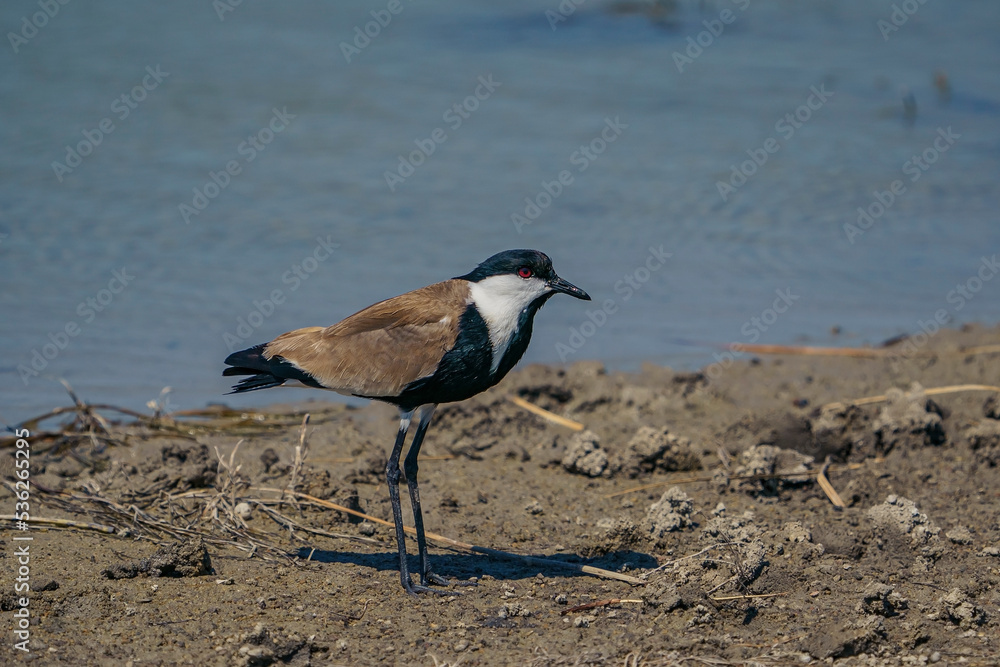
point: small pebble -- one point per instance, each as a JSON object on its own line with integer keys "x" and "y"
{"x": 244, "y": 510}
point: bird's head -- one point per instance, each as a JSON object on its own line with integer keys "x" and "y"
{"x": 521, "y": 278}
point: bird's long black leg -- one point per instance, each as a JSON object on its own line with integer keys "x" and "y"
{"x": 410, "y": 470}
{"x": 410, "y": 467}
{"x": 392, "y": 479}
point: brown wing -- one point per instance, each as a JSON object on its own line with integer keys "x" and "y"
{"x": 383, "y": 348}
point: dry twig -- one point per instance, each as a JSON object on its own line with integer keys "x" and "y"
{"x": 824, "y": 483}
{"x": 64, "y": 523}
{"x": 934, "y": 391}
{"x": 595, "y": 605}
{"x": 301, "y": 451}
{"x": 545, "y": 414}
{"x": 749, "y": 596}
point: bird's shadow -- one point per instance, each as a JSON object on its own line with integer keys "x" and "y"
{"x": 464, "y": 566}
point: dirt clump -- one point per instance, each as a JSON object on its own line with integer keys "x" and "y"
{"x": 584, "y": 456}
{"x": 671, "y": 512}
{"x": 766, "y": 469}
{"x": 651, "y": 450}
{"x": 180, "y": 559}
{"x": 984, "y": 440}
{"x": 843, "y": 432}
{"x": 883, "y": 600}
{"x": 902, "y": 515}
{"x": 908, "y": 420}
{"x": 957, "y": 608}
{"x": 181, "y": 468}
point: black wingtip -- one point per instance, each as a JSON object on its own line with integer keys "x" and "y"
{"x": 250, "y": 362}
{"x": 259, "y": 381}
{"x": 264, "y": 372}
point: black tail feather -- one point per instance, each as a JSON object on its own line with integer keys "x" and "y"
{"x": 264, "y": 372}
{"x": 252, "y": 359}
{"x": 259, "y": 381}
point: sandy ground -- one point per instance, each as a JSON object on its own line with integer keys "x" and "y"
{"x": 684, "y": 480}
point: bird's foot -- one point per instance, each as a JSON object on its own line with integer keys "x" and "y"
{"x": 447, "y": 581}
{"x": 413, "y": 589}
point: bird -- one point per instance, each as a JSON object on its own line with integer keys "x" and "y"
{"x": 438, "y": 344}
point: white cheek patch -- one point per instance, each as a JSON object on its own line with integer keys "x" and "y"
{"x": 500, "y": 300}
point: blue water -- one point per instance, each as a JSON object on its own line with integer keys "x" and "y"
{"x": 211, "y": 84}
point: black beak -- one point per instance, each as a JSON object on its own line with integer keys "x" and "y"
{"x": 560, "y": 285}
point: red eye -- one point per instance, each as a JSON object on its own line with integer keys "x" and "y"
{"x": 525, "y": 272}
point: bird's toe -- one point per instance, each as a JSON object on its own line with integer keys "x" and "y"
{"x": 415, "y": 589}
{"x": 435, "y": 578}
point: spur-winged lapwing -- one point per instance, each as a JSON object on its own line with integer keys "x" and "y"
{"x": 441, "y": 343}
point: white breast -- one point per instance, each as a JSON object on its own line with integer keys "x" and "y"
{"x": 500, "y": 300}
